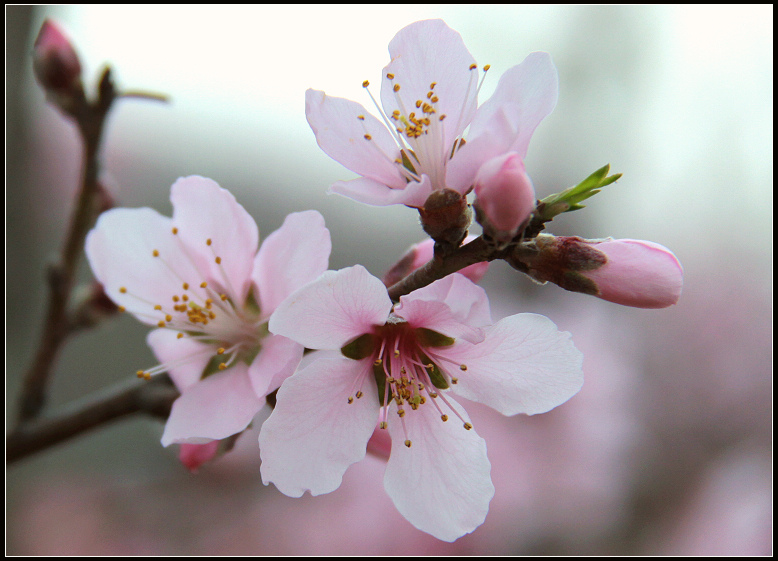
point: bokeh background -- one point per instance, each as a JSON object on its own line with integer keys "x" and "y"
{"x": 668, "y": 447}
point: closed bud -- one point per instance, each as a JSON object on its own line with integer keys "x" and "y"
{"x": 504, "y": 199}
{"x": 446, "y": 216}
{"x": 634, "y": 273}
{"x": 55, "y": 62}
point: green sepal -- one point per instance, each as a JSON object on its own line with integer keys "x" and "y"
{"x": 251, "y": 305}
{"x": 361, "y": 347}
{"x": 570, "y": 199}
{"x": 380, "y": 380}
{"x": 436, "y": 376}
{"x": 407, "y": 163}
{"x": 429, "y": 338}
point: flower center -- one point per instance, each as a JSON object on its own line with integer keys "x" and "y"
{"x": 204, "y": 311}
{"x": 408, "y": 367}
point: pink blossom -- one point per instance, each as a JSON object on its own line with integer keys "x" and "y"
{"x": 199, "y": 278}
{"x": 429, "y": 96}
{"x": 54, "y": 60}
{"x": 505, "y": 197}
{"x": 195, "y": 455}
{"x": 399, "y": 366}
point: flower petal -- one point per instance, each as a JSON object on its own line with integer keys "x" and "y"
{"x": 524, "y": 365}
{"x": 185, "y": 358}
{"x": 371, "y": 192}
{"x": 453, "y": 305}
{"x": 441, "y": 483}
{"x": 221, "y": 405}
{"x": 201, "y": 211}
{"x": 341, "y": 134}
{"x": 277, "y": 360}
{"x": 314, "y": 434}
{"x": 334, "y": 309}
{"x": 120, "y": 251}
{"x": 292, "y": 256}
{"x": 425, "y": 52}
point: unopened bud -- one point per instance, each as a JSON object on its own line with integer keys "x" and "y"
{"x": 504, "y": 199}
{"x": 634, "y": 273}
{"x": 55, "y": 62}
{"x": 195, "y": 455}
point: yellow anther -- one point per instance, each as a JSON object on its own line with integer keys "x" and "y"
{"x": 444, "y": 418}
{"x": 155, "y": 253}
{"x": 454, "y": 380}
{"x": 146, "y": 376}
{"x": 408, "y": 443}
{"x": 432, "y": 85}
{"x": 396, "y": 88}
{"x": 378, "y": 362}
{"x": 223, "y": 297}
{"x": 218, "y": 260}
{"x": 168, "y": 318}
{"x": 429, "y": 95}
{"x": 463, "y": 367}
{"x": 122, "y": 309}
{"x": 203, "y": 284}
{"x": 161, "y": 324}
{"x": 140, "y": 373}
{"x": 368, "y": 137}
{"x": 418, "y": 103}
{"x": 359, "y": 394}
{"x": 441, "y": 117}
{"x": 180, "y": 336}
{"x": 487, "y": 67}
{"x": 123, "y": 290}
{"x": 473, "y": 66}
{"x": 434, "y": 98}
{"x": 396, "y": 352}
{"x": 174, "y": 230}
{"x": 351, "y": 399}
{"x": 390, "y": 76}
{"x": 211, "y": 315}
{"x": 209, "y": 241}
{"x": 401, "y": 412}
{"x": 220, "y": 351}
{"x": 365, "y": 84}
{"x": 361, "y": 117}
{"x": 222, "y": 366}
{"x": 382, "y": 425}
{"x": 468, "y": 426}
{"x": 186, "y": 286}
{"x": 176, "y": 298}
{"x": 184, "y": 297}
{"x": 157, "y": 307}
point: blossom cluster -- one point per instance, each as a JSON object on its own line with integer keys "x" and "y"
{"x": 233, "y": 318}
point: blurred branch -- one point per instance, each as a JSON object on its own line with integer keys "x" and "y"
{"x": 154, "y": 398}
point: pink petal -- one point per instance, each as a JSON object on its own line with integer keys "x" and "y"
{"x": 341, "y": 134}
{"x": 221, "y": 405}
{"x": 120, "y": 251}
{"x": 314, "y": 434}
{"x": 530, "y": 90}
{"x": 523, "y": 366}
{"x": 334, "y": 309}
{"x": 371, "y": 192}
{"x": 277, "y": 360}
{"x": 638, "y": 273}
{"x": 441, "y": 483}
{"x": 187, "y": 357}
{"x": 453, "y": 306}
{"x": 425, "y": 52}
{"x": 292, "y": 256}
{"x": 201, "y": 211}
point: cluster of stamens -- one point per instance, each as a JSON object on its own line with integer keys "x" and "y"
{"x": 191, "y": 310}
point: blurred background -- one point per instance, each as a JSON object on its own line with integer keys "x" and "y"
{"x": 667, "y": 449}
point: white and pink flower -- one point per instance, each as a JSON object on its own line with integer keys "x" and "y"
{"x": 429, "y": 96}
{"x": 199, "y": 278}
{"x": 399, "y": 367}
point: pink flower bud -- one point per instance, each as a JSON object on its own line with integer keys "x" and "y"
{"x": 421, "y": 253}
{"x": 634, "y": 273}
{"x": 55, "y": 62}
{"x": 505, "y": 197}
{"x": 195, "y": 455}
{"x": 637, "y": 273}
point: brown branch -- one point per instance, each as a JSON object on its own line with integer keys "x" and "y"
{"x": 154, "y": 397}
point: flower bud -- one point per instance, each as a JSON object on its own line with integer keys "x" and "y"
{"x": 195, "y": 455}
{"x": 54, "y": 61}
{"x": 505, "y": 197}
{"x": 446, "y": 216}
{"x": 634, "y": 273}
{"x": 419, "y": 254}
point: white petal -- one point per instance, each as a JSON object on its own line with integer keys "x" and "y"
{"x": 441, "y": 483}
{"x": 187, "y": 357}
{"x": 221, "y": 405}
{"x": 314, "y": 434}
{"x": 292, "y": 256}
{"x": 372, "y": 192}
{"x": 334, "y": 309}
{"x": 523, "y": 366}
{"x": 201, "y": 211}
{"x": 277, "y": 360}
